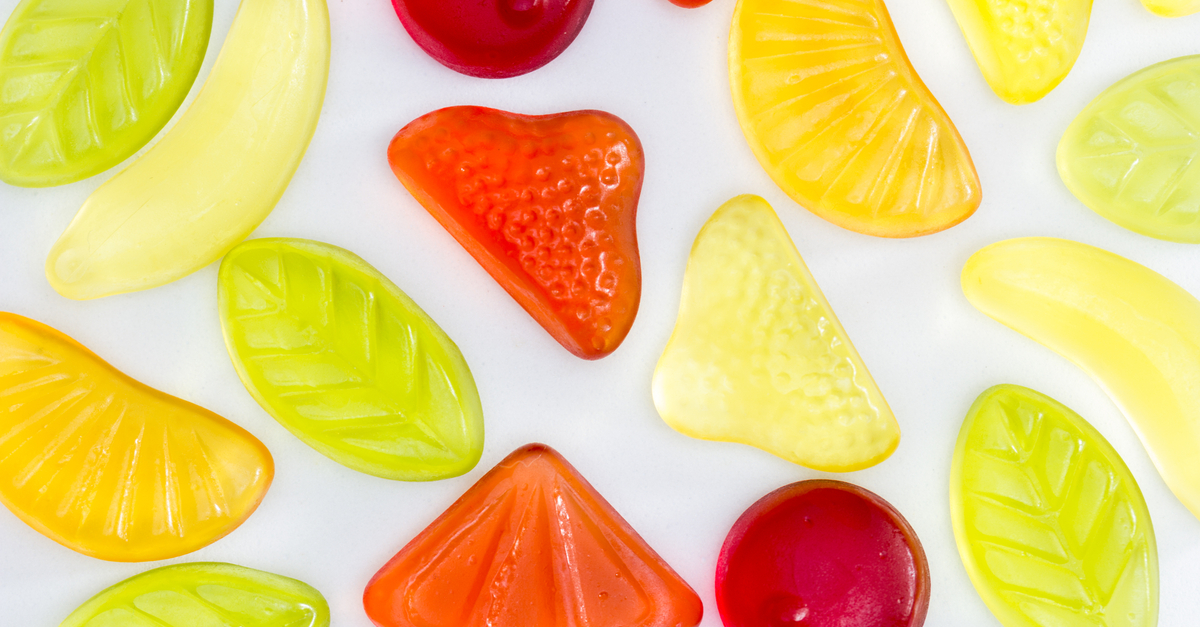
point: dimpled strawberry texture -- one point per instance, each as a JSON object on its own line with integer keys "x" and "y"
{"x": 547, "y": 204}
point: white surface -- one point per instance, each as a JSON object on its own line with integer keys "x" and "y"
{"x": 663, "y": 70}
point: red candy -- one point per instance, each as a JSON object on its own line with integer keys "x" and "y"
{"x": 493, "y": 38}
{"x": 546, "y": 204}
{"x": 822, "y": 554}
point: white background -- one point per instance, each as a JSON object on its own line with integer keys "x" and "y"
{"x": 663, "y": 70}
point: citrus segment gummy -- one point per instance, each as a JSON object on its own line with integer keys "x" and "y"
{"x": 109, "y": 467}
{"x": 822, "y": 554}
{"x": 86, "y": 83}
{"x": 531, "y": 544}
{"x": 1130, "y": 328}
{"x": 1133, "y": 154}
{"x": 218, "y": 172}
{"x": 1023, "y": 47}
{"x": 347, "y": 362}
{"x": 758, "y": 357}
{"x": 1049, "y": 522}
{"x": 546, "y": 204}
{"x": 840, "y": 120}
{"x": 204, "y": 594}
{"x": 1172, "y": 8}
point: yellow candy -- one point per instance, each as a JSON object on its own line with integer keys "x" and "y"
{"x": 1050, "y": 524}
{"x": 1024, "y": 47}
{"x": 218, "y": 173}
{"x": 112, "y": 468}
{"x": 1134, "y": 331}
{"x": 837, "y": 116}
{"x": 1172, "y": 8}
{"x": 758, "y": 357}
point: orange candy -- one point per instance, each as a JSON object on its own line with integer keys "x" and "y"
{"x": 532, "y": 544}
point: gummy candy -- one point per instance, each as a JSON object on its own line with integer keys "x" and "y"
{"x": 347, "y": 362}
{"x": 840, "y": 120}
{"x": 204, "y": 594}
{"x": 1049, "y": 522}
{"x": 1172, "y": 8}
{"x": 109, "y": 467}
{"x": 758, "y": 357}
{"x": 1024, "y": 48}
{"x": 690, "y": 4}
{"x": 546, "y": 204}
{"x": 531, "y": 544}
{"x": 1130, "y": 155}
{"x": 1131, "y": 329}
{"x": 822, "y": 554}
{"x": 86, "y": 83}
{"x": 493, "y": 38}
{"x": 218, "y": 172}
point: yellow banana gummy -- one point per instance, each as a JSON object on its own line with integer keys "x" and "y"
{"x": 1131, "y": 329}
{"x": 1172, "y": 8}
{"x": 218, "y": 172}
{"x": 109, "y": 467}
{"x": 758, "y": 357}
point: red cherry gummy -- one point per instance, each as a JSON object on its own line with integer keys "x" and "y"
{"x": 690, "y": 4}
{"x": 532, "y": 544}
{"x": 822, "y": 554}
{"x": 546, "y": 204}
{"x": 493, "y": 38}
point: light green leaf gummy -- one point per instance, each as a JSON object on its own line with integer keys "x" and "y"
{"x": 1133, "y": 154}
{"x": 204, "y": 595}
{"x": 347, "y": 362}
{"x": 85, "y": 83}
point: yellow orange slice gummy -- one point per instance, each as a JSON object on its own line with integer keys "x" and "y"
{"x": 758, "y": 357}
{"x": 837, "y": 116}
{"x": 112, "y": 468}
{"x": 1023, "y": 47}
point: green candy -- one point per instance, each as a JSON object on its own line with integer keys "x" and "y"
{"x": 85, "y": 83}
{"x": 204, "y": 595}
{"x": 1133, "y": 154}
{"x": 347, "y": 362}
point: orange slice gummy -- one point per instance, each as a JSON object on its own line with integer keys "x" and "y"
{"x": 838, "y": 117}
{"x": 109, "y": 467}
{"x": 532, "y": 544}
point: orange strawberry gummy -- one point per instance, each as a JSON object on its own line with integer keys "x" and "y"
{"x": 546, "y": 204}
{"x": 532, "y": 544}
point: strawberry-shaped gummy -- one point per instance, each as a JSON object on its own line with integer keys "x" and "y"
{"x": 493, "y": 38}
{"x": 546, "y": 204}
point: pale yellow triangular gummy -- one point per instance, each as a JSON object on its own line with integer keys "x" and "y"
{"x": 758, "y": 357}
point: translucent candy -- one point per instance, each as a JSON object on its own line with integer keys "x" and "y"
{"x": 1172, "y": 8}
{"x": 822, "y": 554}
{"x": 347, "y": 362}
{"x": 531, "y": 544}
{"x": 109, "y": 467}
{"x": 849, "y": 131}
{"x": 204, "y": 595}
{"x": 1134, "y": 331}
{"x": 546, "y": 204}
{"x": 218, "y": 172}
{"x": 1049, "y": 522}
{"x": 758, "y": 357}
{"x": 1131, "y": 155}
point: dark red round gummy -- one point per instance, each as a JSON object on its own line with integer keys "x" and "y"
{"x": 493, "y": 38}
{"x": 822, "y": 554}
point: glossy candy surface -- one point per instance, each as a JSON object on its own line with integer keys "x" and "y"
{"x": 546, "y": 204}
{"x": 1133, "y": 330}
{"x": 347, "y": 362}
{"x": 493, "y": 38}
{"x": 86, "y": 83}
{"x": 531, "y": 544}
{"x": 822, "y": 554}
{"x": 1049, "y": 522}
{"x": 1172, "y": 8}
{"x": 218, "y": 172}
{"x": 1024, "y": 48}
{"x": 204, "y": 595}
{"x": 112, "y": 468}
{"x": 840, "y": 120}
{"x": 758, "y": 357}
{"x": 1133, "y": 154}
